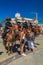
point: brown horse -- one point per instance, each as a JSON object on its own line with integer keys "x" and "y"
{"x": 7, "y": 40}
{"x": 16, "y": 31}
{"x": 36, "y": 30}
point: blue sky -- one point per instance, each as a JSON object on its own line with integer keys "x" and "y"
{"x": 27, "y": 8}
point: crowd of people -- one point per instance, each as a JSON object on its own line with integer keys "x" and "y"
{"x": 25, "y": 33}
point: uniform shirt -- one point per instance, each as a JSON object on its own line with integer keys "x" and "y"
{"x": 8, "y": 24}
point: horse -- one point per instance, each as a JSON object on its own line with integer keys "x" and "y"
{"x": 36, "y": 30}
{"x": 7, "y": 40}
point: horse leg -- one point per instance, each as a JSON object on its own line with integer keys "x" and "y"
{"x": 8, "y": 48}
{"x": 4, "y": 43}
{"x": 21, "y": 47}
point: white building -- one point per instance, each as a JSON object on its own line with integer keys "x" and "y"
{"x": 18, "y": 18}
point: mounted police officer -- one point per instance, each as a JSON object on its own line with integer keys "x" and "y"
{"x": 30, "y": 24}
{"x": 7, "y": 26}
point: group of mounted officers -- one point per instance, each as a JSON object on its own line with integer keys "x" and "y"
{"x": 24, "y": 32}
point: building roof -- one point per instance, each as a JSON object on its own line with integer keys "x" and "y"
{"x": 21, "y": 19}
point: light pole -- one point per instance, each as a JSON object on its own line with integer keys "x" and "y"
{"x": 36, "y": 18}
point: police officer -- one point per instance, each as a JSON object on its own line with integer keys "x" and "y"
{"x": 7, "y": 26}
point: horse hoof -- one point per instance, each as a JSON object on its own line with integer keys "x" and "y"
{"x": 9, "y": 53}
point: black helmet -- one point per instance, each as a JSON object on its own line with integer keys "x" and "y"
{"x": 8, "y": 19}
